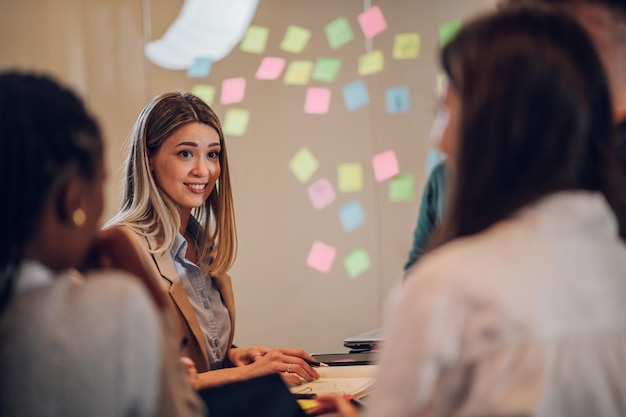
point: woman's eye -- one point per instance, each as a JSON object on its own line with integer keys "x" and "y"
{"x": 213, "y": 154}
{"x": 185, "y": 154}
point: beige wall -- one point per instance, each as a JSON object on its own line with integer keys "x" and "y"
{"x": 96, "y": 46}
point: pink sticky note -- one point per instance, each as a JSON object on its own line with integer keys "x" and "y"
{"x": 321, "y": 193}
{"x": 321, "y": 257}
{"x": 270, "y": 68}
{"x": 317, "y": 100}
{"x": 385, "y": 165}
{"x": 233, "y": 90}
{"x": 372, "y": 22}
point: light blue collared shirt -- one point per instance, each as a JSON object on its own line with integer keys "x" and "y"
{"x": 205, "y": 298}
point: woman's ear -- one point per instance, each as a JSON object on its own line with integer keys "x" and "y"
{"x": 72, "y": 198}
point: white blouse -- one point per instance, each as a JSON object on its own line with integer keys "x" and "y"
{"x": 525, "y": 318}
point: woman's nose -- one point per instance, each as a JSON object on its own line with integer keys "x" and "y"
{"x": 201, "y": 168}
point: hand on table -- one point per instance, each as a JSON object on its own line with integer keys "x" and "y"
{"x": 291, "y": 363}
{"x": 336, "y": 404}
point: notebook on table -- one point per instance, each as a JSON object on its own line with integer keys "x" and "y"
{"x": 265, "y": 396}
{"x": 364, "y": 341}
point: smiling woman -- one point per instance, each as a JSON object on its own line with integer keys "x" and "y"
{"x": 182, "y": 229}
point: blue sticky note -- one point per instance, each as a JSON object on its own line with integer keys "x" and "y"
{"x": 200, "y": 68}
{"x": 355, "y": 95}
{"x": 397, "y": 99}
{"x": 433, "y": 159}
{"x": 351, "y": 216}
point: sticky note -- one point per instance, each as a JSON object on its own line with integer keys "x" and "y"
{"x": 200, "y": 68}
{"x": 321, "y": 193}
{"x": 371, "y": 63}
{"x": 356, "y": 262}
{"x": 270, "y": 68}
{"x": 204, "y": 92}
{"x": 233, "y": 90}
{"x": 255, "y": 39}
{"x": 433, "y": 159}
{"x": 317, "y": 100}
{"x": 385, "y": 165}
{"x": 351, "y": 216}
{"x": 397, "y": 99}
{"x": 326, "y": 69}
{"x": 406, "y": 46}
{"x": 350, "y": 177}
{"x": 338, "y": 32}
{"x": 447, "y": 31}
{"x": 372, "y": 22}
{"x": 236, "y": 122}
{"x": 401, "y": 188}
{"x": 295, "y": 40}
{"x": 321, "y": 257}
{"x": 298, "y": 73}
{"x": 355, "y": 95}
{"x": 303, "y": 165}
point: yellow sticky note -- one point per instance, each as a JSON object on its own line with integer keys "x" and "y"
{"x": 350, "y": 177}
{"x": 406, "y": 46}
{"x": 303, "y": 165}
{"x": 295, "y": 40}
{"x": 236, "y": 122}
{"x": 298, "y": 73}
{"x": 371, "y": 62}
{"x": 255, "y": 39}
{"x": 441, "y": 84}
{"x": 308, "y": 405}
{"x": 204, "y": 92}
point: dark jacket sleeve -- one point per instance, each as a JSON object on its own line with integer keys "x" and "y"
{"x": 430, "y": 212}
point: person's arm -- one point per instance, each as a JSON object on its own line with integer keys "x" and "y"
{"x": 258, "y": 361}
{"x": 429, "y": 214}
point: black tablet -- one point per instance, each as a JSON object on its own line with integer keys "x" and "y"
{"x": 346, "y": 359}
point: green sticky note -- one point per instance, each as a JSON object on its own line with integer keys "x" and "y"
{"x": 406, "y": 46}
{"x": 295, "y": 40}
{"x": 447, "y": 31}
{"x": 204, "y": 92}
{"x": 326, "y": 69}
{"x": 356, "y": 262}
{"x": 338, "y": 32}
{"x": 236, "y": 122}
{"x": 350, "y": 177}
{"x": 298, "y": 73}
{"x": 371, "y": 62}
{"x": 255, "y": 39}
{"x": 401, "y": 188}
{"x": 303, "y": 165}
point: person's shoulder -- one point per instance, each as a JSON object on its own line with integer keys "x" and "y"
{"x": 112, "y": 283}
{"x": 452, "y": 262}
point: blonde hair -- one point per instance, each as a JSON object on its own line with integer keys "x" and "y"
{"x": 149, "y": 211}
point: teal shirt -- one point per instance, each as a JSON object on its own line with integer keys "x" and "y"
{"x": 430, "y": 212}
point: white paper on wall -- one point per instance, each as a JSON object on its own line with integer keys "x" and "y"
{"x": 207, "y": 28}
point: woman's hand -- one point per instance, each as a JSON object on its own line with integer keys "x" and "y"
{"x": 336, "y": 404}
{"x": 291, "y": 363}
{"x": 246, "y": 356}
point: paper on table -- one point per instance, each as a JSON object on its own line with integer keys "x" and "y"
{"x": 353, "y": 380}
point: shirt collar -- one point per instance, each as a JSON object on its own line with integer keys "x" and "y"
{"x": 179, "y": 248}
